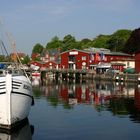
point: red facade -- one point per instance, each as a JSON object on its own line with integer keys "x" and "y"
{"x": 75, "y": 59}
{"x": 36, "y": 63}
{"x": 78, "y": 59}
{"x": 49, "y": 64}
{"x": 137, "y": 61}
{"x": 85, "y": 59}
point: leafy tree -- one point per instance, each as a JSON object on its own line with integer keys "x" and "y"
{"x": 54, "y": 43}
{"x": 114, "y": 42}
{"x": 37, "y": 58}
{"x": 26, "y": 60}
{"x": 118, "y": 40}
{"x": 101, "y": 41}
{"x": 84, "y": 43}
{"x": 38, "y": 48}
{"x": 133, "y": 43}
{"x": 69, "y": 42}
{"x": 2, "y": 58}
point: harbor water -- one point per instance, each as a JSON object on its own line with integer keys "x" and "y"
{"x": 91, "y": 110}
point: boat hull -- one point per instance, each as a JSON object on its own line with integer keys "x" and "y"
{"x": 15, "y": 100}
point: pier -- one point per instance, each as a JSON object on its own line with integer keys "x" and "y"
{"x": 81, "y": 75}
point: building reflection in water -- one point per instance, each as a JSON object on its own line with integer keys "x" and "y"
{"x": 118, "y": 98}
{"x": 23, "y": 132}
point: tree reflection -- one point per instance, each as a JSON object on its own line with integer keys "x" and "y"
{"x": 121, "y": 99}
{"x": 118, "y": 106}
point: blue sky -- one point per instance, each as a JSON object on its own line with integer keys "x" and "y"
{"x": 38, "y": 21}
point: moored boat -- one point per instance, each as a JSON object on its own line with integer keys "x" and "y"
{"x": 16, "y": 98}
{"x": 16, "y": 95}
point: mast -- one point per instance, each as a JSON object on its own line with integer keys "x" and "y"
{"x": 13, "y": 45}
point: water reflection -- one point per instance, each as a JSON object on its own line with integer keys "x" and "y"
{"x": 23, "y": 132}
{"x": 118, "y": 98}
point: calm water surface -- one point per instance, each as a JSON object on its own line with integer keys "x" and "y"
{"x": 91, "y": 111}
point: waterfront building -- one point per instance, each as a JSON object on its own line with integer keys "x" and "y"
{"x": 48, "y": 59}
{"x": 99, "y": 60}
{"x": 44, "y": 65}
{"x": 137, "y": 61}
{"x": 102, "y": 59}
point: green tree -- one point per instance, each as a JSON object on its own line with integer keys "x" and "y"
{"x": 55, "y": 43}
{"x": 2, "y": 58}
{"x": 114, "y": 42}
{"x": 118, "y": 40}
{"x": 69, "y": 42}
{"x": 38, "y": 48}
{"x": 133, "y": 43}
{"x": 101, "y": 41}
{"x": 84, "y": 43}
{"x": 26, "y": 60}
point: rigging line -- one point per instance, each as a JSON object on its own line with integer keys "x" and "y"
{"x": 2, "y": 52}
{"x": 4, "y": 48}
{"x": 13, "y": 46}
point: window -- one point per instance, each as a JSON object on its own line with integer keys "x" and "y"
{"x": 83, "y": 57}
{"x": 52, "y": 58}
{"x": 72, "y": 58}
{"x": 128, "y": 64}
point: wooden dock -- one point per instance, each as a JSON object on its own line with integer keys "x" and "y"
{"x": 67, "y": 74}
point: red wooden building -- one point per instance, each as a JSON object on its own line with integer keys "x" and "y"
{"x": 137, "y": 61}
{"x": 44, "y": 65}
{"x": 75, "y": 59}
{"x": 85, "y": 59}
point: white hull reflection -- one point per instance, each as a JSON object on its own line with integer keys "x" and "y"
{"x": 23, "y": 132}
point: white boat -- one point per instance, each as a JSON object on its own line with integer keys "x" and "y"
{"x": 16, "y": 98}
{"x": 16, "y": 95}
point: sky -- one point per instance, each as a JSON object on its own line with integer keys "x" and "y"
{"x": 37, "y": 21}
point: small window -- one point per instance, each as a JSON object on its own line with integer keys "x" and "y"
{"x": 128, "y": 64}
{"x": 83, "y": 57}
